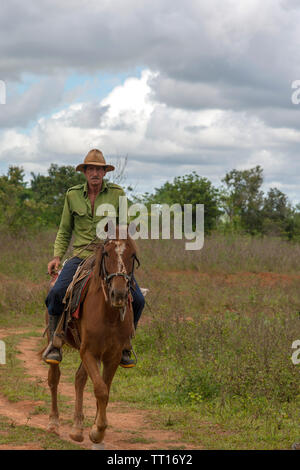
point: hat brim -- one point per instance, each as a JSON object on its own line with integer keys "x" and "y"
{"x": 82, "y": 165}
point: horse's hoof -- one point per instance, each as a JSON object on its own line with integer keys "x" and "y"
{"x": 53, "y": 428}
{"x": 96, "y": 436}
{"x": 76, "y": 436}
{"x": 100, "y": 446}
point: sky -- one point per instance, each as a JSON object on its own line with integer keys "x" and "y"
{"x": 175, "y": 86}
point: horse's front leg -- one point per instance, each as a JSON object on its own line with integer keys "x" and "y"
{"x": 110, "y": 364}
{"x": 80, "y": 381}
{"x": 53, "y": 381}
{"x": 101, "y": 393}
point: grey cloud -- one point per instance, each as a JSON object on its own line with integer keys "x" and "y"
{"x": 90, "y": 115}
{"x": 211, "y": 56}
{"x": 51, "y": 36}
{"x": 213, "y": 156}
{"x": 93, "y": 115}
{"x": 218, "y": 95}
{"x": 279, "y": 117}
{"x": 38, "y": 99}
{"x": 212, "y": 165}
{"x": 226, "y": 55}
{"x": 290, "y": 4}
{"x": 123, "y": 122}
{"x": 187, "y": 40}
{"x": 195, "y": 129}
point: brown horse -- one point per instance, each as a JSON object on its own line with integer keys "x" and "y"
{"x": 105, "y": 327}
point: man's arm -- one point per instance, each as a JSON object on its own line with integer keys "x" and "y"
{"x": 63, "y": 236}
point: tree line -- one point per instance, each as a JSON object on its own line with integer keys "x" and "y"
{"x": 238, "y": 205}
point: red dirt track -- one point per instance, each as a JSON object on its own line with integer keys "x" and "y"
{"x": 128, "y": 428}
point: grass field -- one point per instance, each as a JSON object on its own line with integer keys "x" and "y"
{"x": 214, "y": 343}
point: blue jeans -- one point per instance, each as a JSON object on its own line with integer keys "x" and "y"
{"x": 56, "y": 294}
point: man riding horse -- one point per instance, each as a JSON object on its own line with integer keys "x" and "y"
{"x": 79, "y": 219}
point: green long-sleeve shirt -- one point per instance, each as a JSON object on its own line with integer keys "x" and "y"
{"x": 77, "y": 218}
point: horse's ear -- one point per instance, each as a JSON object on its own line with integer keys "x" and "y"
{"x": 137, "y": 260}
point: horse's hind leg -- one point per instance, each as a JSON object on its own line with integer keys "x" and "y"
{"x": 101, "y": 393}
{"x": 53, "y": 381}
{"x": 80, "y": 381}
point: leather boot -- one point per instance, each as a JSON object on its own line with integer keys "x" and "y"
{"x": 52, "y": 355}
{"x": 125, "y": 360}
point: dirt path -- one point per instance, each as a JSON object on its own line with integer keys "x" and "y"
{"x": 128, "y": 428}
{"x": 243, "y": 277}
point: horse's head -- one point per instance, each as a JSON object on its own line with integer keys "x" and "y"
{"x": 116, "y": 268}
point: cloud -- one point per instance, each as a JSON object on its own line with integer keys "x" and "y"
{"x": 161, "y": 141}
{"x": 192, "y": 41}
{"x": 84, "y": 115}
{"x": 216, "y": 54}
{"x": 214, "y": 94}
{"x": 40, "y": 98}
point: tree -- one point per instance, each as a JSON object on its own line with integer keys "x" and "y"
{"x": 189, "y": 189}
{"x": 278, "y": 214}
{"x": 242, "y": 198}
{"x": 51, "y": 190}
{"x": 18, "y": 211}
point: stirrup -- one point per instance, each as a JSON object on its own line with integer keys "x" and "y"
{"x": 52, "y": 355}
{"x": 126, "y": 362}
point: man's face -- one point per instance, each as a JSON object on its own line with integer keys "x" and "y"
{"x": 94, "y": 174}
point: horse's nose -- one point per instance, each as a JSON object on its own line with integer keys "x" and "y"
{"x": 118, "y": 296}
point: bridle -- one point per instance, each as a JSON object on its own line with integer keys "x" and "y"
{"x": 108, "y": 277}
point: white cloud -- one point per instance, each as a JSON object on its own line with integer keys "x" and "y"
{"x": 160, "y": 141}
{"x": 215, "y": 93}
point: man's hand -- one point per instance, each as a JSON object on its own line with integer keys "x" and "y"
{"x": 53, "y": 266}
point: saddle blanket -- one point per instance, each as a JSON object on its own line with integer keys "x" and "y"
{"x": 75, "y": 296}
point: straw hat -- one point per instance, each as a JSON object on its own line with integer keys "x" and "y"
{"x": 94, "y": 157}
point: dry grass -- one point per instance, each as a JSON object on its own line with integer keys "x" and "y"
{"x": 216, "y": 342}
{"x": 228, "y": 254}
